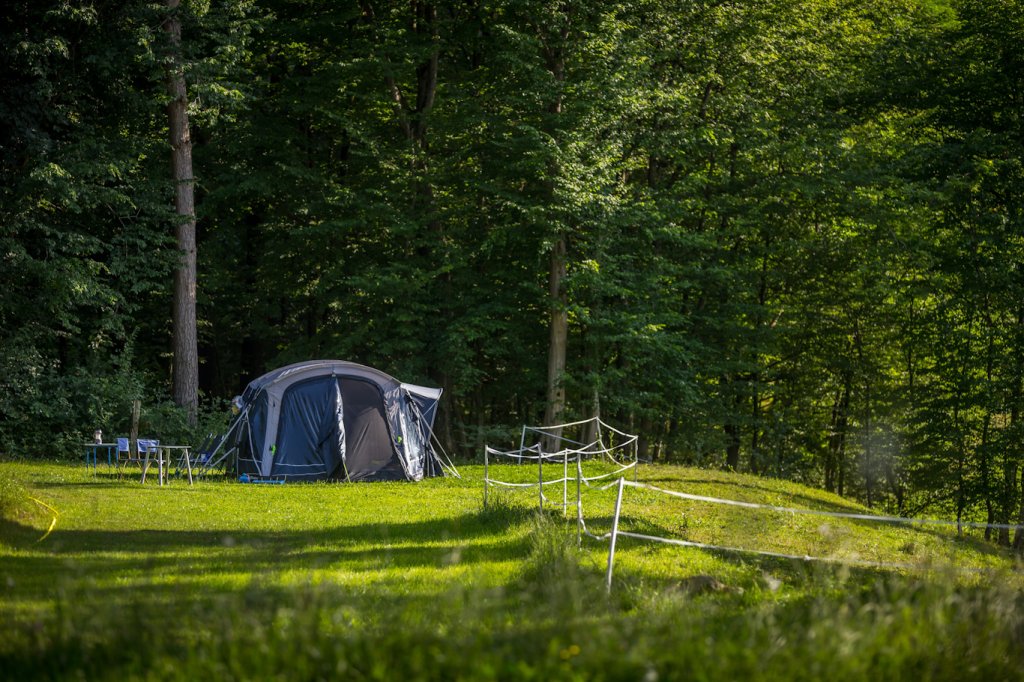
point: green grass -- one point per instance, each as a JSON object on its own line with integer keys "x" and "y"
{"x": 417, "y": 581}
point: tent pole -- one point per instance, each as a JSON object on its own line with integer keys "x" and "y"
{"x": 213, "y": 461}
{"x": 430, "y": 430}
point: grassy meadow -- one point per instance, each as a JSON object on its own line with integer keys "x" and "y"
{"x": 395, "y": 581}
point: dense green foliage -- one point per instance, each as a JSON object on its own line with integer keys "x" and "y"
{"x": 793, "y": 228}
{"x": 415, "y": 581}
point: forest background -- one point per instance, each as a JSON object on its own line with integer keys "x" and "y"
{"x": 780, "y": 236}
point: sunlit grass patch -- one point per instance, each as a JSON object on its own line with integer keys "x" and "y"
{"x": 420, "y": 581}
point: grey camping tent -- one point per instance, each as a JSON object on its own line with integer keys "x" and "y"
{"x": 334, "y": 420}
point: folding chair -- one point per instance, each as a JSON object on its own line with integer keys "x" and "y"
{"x": 124, "y": 455}
{"x": 148, "y": 448}
{"x": 122, "y": 450}
{"x": 208, "y": 448}
{"x": 211, "y": 455}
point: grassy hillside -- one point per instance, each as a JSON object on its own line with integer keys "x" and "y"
{"x": 417, "y": 581}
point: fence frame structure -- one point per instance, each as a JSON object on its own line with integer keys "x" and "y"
{"x": 565, "y": 455}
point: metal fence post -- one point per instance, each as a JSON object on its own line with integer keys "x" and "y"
{"x": 540, "y": 480}
{"x": 615, "y": 531}
{"x": 636, "y": 461}
{"x": 486, "y": 479}
{"x": 565, "y": 484}
{"x": 579, "y": 504}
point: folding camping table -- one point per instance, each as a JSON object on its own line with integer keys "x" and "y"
{"x": 184, "y": 458}
{"x": 92, "y": 450}
{"x": 163, "y": 459}
{"x": 163, "y": 455}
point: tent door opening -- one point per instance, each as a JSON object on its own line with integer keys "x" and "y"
{"x": 335, "y": 428}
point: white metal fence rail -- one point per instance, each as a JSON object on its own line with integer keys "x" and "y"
{"x": 621, "y": 484}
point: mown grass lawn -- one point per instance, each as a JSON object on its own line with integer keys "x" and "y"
{"x": 418, "y": 581}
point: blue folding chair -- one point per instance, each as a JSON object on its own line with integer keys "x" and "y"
{"x": 209, "y": 448}
{"x": 212, "y": 454}
{"x": 149, "y": 448}
{"x": 124, "y": 455}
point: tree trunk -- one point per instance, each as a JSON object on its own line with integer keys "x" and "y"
{"x": 733, "y": 435}
{"x": 559, "y": 332}
{"x": 986, "y": 475}
{"x": 1018, "y": 535}
{"x": 1008, "y": 497}
{"x": 961, "y": 492}
{"x": 644, "y": 440}
{"x": 1015, "y": 414}
{"x": 837, "y": 437}
{"x": 185, "y": 342}
{"x": 756, "y": 463}
{"x": 444, "y": 432}
{"x": 984, "y": 447}
{"x": 732, "y": 448}
{"x": 869, "y": 438}
{"x": 557, "y": 298}
{"x": 593, "y": 430}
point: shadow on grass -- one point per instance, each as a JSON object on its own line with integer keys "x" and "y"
{"x": 965, "y": 542}
{"x": 98, "y": 595}
{"x": 265, "y": 624}
{"x": 173, "y": 564}
{"x": 128, "y": 478}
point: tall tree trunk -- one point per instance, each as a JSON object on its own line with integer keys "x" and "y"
{"x": 1018, "y": 535}
{"x": 1009, "y": 495}
{"x": 837, "y": 437}
{"x": 869, "y": 439}
{"x": 593, "y": 430}
{"x": 732, "y": 447}
{"x": 412, "y": 112}
{"x": 1016, "y": 493}
{"x": 557, "y": 296}
{"x": 733, "y": 434}
{"x": 644, "y": 439}
{"x": 983, "y": 450}
{"x": 961, "y": 462}
{"x": 757, "y": 465}
{"x": 559, "y": 333}
{"x": 185, "y": 341}
{"x": 986, "y": 474}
